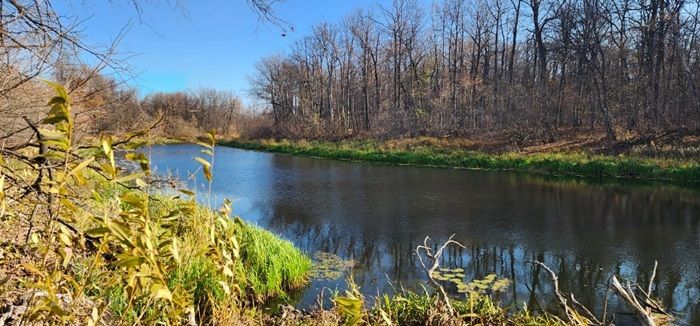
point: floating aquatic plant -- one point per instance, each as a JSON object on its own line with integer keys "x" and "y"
{"x": 488, "y": 285}
{"x": 328, "y": 266}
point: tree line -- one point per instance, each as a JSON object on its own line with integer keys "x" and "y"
{"x": 464, "y": 67}
{"x": 37, "y": 43}
{"x": 104, "y": 105}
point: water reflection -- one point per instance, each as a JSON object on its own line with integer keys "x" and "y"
{"x": 377, "y": 215}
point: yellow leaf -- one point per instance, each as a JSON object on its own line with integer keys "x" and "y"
{"x": 107, "y": 148}
{"x": 159, "y": 291}
{"x": 228, "y": 272}
{"x": 128, "y": 177}
{"x": 65, "y": 239}
{"x": 29, "y": 267}
{"x": 67, "y": 254}
{"x": 205, "y": 145}
{"x": 141, "y": 183}
{"x": 81, "y": 166}
{"x": 226, "y": 288}
{"x": 212, "y": 137}
{"x": 202, "y": 161}
{"x": 187, "y": 192}
{"x": 175, "y": 250}
{"x": 207, "y": 172}
{"x": 51, "y": 134}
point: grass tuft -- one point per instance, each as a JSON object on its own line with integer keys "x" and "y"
{"x": 271, "y": 265}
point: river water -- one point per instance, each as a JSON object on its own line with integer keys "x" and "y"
{"x": 376, "y": 215}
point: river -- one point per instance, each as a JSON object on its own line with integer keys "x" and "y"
{"x": 584, "y": 229}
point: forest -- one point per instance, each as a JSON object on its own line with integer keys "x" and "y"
{"x": 535, "y": 69}
{"x": 524, "y": 72}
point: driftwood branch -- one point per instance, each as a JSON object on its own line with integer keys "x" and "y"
{"x": 628, "y": 296}
{"x": 573, "y": 316}
{"x": 433, "y": 258}
{"x": 643, "y": 307}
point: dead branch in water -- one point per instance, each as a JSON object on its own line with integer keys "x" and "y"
{"x": 434, "y": 260}
{"x": 573, "y": 316}
{"x": 642, "y": 308}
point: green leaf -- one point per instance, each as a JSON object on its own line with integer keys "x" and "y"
{"x": 134, "y": 199}
{"x": 58, "y": 88}
{"x": 97, "y": 232}
{"x": 350, "y": 308}
{"x": 57, "y": 100}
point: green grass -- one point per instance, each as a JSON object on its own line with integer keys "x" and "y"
{"x": 410, "y": 308}
{"x": 271, "y": 264}
{"x": 268, "y": 267}
{"x": 579, "y": 164}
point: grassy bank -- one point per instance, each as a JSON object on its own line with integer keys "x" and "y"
{"x": 435, "y": 153}
{"x": 220, "y": 275}
{"x": 201, "y": 268}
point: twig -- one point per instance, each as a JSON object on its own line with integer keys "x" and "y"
{"x": 653, "y": 275}
{"x": 571, "y": 314}
{"x": 435, "y": 258}
{"x": 31, "y": 224}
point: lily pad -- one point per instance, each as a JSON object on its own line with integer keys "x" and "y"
{"x": 328, "y": 266}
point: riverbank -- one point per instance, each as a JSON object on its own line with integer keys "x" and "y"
{"x": 433, "y": 153}
{"x": 214, "y": 269}
{"x": 218, "y": 272}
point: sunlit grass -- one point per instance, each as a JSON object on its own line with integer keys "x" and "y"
{"x": 271, "y": 265}
{"x": 574, "y": 163}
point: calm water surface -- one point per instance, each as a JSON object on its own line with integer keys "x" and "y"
{"x": 378, "y": 214}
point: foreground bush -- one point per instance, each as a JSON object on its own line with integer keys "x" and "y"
{"x": 92, "y": 242}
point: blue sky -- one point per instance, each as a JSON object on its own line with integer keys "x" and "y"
{"x": 205, "y": 43}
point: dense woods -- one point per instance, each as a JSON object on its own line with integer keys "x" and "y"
{"x": 461, "y": 68}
